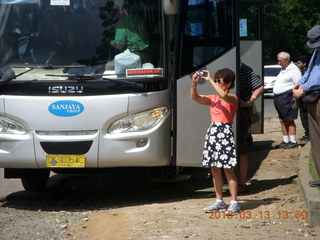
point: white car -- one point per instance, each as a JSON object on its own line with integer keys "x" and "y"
{"x": 270, "y": 74}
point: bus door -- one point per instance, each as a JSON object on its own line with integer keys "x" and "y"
{"x": 206, "y": 40}
{"x": 250, "y": 32}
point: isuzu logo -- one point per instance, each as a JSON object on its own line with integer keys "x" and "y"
{"x": 66, "y": 89}
{"x": 66, "y": 108}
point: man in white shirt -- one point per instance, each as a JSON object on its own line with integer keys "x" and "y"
{"x": 284, "y": 101}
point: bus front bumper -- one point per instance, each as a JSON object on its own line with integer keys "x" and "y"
{"x": 100, "y": 149}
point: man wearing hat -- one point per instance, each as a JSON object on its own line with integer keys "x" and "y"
{"x": 308, "y": 88}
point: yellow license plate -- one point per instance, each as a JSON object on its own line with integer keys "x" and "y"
{"x": 72, "y": 161}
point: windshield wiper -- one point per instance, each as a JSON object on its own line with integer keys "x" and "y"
{"x": 45, "y": 66}
{"x": 7, "y": 71}
{"x": 81, "y": 76}
{"x": 10, "y": 75}
{"x": 78, "y": 76}
{"x": 138, "y": 85}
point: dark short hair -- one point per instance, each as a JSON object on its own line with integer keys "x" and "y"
{"x": 303, "y": 59}
{"x": 227, "y": 75}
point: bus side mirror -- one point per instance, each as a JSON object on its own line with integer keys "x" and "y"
{"x": 170, "y": 7}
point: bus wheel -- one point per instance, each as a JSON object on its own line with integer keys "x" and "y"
{"x": 37, "y": 182}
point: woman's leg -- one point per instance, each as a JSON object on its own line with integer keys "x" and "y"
{"x": 217, "y": 181}
{"x": 233, "y": 183}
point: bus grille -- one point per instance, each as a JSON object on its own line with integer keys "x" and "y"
{"x": 66, "y": 147}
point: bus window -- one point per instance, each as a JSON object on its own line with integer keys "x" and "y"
{"x": 249, "y": 22}
{"x": 205, "y": 18}
{"x": 207, "y": 32}
{"x": 82, "y": 32}
{"x": 204, "y": 54}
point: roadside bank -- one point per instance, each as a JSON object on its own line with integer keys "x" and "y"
{"x": 311, "y": 194}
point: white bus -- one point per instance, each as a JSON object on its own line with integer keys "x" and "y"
{"x": 72, "y": 102}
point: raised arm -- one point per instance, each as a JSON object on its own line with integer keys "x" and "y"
{"x": 221, "y": 88}
{"x": 201, "y": 99}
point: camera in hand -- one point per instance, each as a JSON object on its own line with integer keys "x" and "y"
{"x": 202, "y": 74}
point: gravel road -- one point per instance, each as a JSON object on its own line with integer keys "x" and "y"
{"x": 120, "y": 205}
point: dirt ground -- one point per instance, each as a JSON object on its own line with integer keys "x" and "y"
{"x": 272, "y": 207}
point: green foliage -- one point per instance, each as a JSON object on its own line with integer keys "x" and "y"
{"x": 286, "y": 23}
{"x": 313, "y": 170}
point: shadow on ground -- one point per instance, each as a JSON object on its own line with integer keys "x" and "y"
{"x": 129, "y": 187}
{"x": 117, "y": 188}
{"x": 256, "y": 154}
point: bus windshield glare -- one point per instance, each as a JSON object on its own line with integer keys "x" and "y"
{"x": 103, "y": 36}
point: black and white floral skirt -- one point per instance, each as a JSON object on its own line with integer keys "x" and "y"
{"x": 219, "y": 147}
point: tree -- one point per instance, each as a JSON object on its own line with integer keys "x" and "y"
{"x": 286, "y": 23}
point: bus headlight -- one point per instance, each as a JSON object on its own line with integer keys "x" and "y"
{"x": 10, "y": 126}
{"x": 139, "y": 122}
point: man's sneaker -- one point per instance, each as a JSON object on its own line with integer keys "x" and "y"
{"x": 304, "y": 138}
{"x": 283, "y": 144}
{"x": 233, "y": 209}
{"x": 291, "y": 145}
{"x": 216, "y": 206}
{"x": 314, "y": 183}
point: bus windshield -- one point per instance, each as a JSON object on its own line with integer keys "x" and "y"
{"x": 102, "y": 35}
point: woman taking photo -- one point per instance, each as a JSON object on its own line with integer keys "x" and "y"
{"x": 219, "y": 147}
